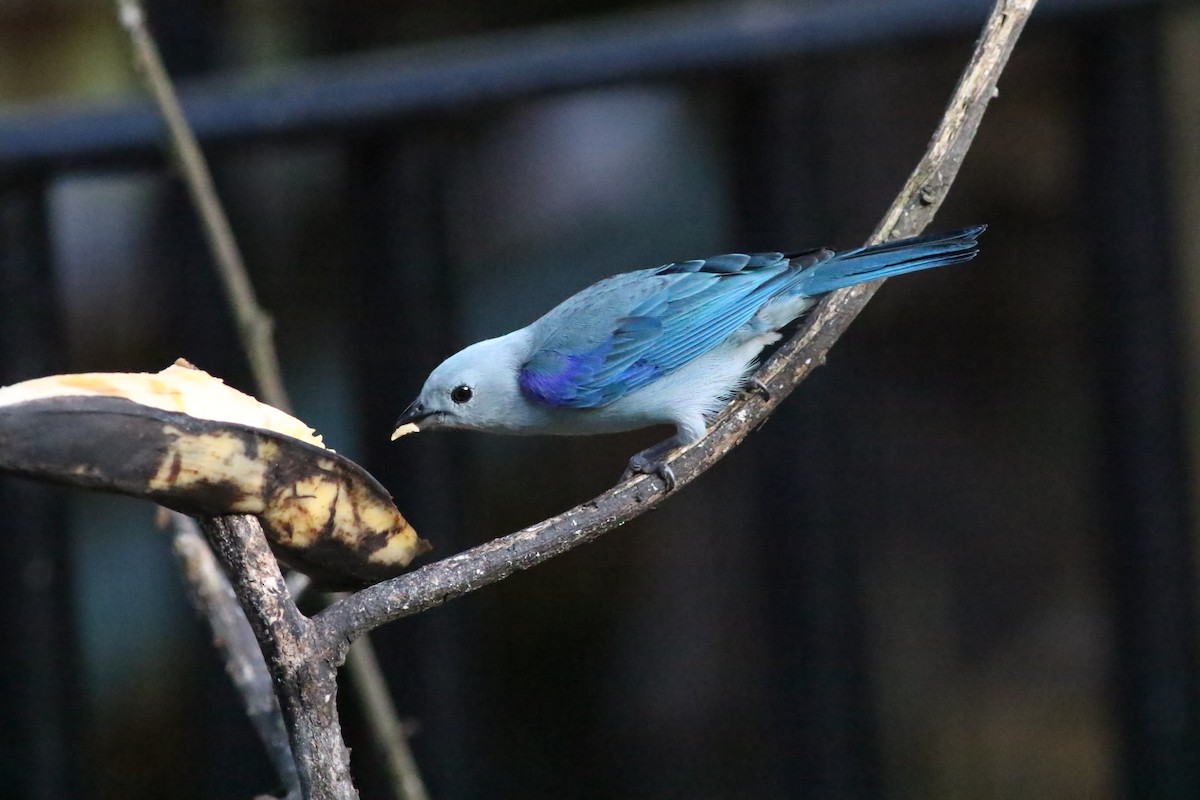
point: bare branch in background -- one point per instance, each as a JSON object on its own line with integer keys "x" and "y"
{"x": 254, "y": 324}
{"x": 388, "y": 735}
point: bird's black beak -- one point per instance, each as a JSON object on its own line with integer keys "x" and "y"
{"x": 407, "y": 423}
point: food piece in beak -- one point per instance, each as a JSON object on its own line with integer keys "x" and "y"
{"x": 405, "y": 430}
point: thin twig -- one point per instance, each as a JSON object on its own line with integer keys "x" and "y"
{"x": 387, "y": 733}
{"x": 214, "y": 599}
{"x": 254, "y": 324}
{"x": 913, "y": 208}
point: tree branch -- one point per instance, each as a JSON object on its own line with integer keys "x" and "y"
{"x": 913, "y": 208}
{"x": 214, "y": 599}
{"x": 304, "y": 674}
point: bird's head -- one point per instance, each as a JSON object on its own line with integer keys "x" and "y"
{"x": 474, "y": 389}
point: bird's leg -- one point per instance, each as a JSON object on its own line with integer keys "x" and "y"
{"x": 651, "y": 462}
{"x": 757, "y": 387}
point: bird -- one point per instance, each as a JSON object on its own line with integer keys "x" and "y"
{"x": 666, "y": 345}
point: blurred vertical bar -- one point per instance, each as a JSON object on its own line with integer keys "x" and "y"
{"x": 823, "y": 723}
{"x": 398, "y": 203}
{"x": 1146, "y": 501}
{"x": 39, "y": 705}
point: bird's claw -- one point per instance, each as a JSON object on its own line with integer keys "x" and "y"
{"x": 642, "y": 465}
{"x": 755, "y": 386}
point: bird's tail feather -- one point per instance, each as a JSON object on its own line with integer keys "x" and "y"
{"x": 890, "y": 258}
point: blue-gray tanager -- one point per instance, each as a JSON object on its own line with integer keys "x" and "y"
{"x": 655, "y": 346}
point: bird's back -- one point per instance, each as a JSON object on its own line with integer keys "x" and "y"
{"x": 624, "y": 332}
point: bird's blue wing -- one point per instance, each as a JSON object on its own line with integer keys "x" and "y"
{"x": 564, "y": 374}
{"x": 626, "y": 331}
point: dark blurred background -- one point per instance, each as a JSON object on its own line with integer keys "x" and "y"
{"x": 958, "y": 563}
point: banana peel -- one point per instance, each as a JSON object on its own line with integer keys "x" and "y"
{"x": 185, "y": 440}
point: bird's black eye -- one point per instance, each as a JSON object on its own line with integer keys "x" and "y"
{"x": 461, "y": 394}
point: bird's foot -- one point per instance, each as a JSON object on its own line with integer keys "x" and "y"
{"x": 755, "y": 386}
{"x": 650, "y": 462}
